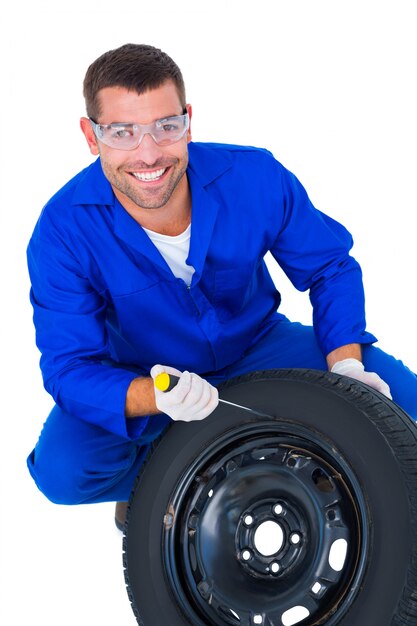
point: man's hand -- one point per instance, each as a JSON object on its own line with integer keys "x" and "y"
{"x": 193, "y": 398}
{"x": 355, "y": 369}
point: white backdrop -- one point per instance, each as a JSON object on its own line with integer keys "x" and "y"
{"x": 329, "y": 86}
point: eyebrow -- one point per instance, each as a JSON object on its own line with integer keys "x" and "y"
{"x": 158, "y": 119}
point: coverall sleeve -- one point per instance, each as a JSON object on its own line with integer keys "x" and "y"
{"x": 69, "y": 317}
{"x": 314, "y": 252}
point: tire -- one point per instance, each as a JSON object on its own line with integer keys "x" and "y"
{"x": 332, "y": 469}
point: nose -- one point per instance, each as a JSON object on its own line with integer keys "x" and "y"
{"x": 148, "y": 150}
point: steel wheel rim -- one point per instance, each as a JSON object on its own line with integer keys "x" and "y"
{"x": 258, "y": 473}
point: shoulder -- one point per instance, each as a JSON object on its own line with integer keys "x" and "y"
{"x": 209, "y": 160}
{"x": 66, "y": 192}
{"x": 228, "y": 151}
{"x": 87, "y": 187}
{"x": 69, "y": 213}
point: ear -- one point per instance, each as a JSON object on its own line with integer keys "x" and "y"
{"x": 88, "y": 132}
{"x": 190, "y": 113}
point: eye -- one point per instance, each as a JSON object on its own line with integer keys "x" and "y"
{"x": 168, "y": 125}
{"x": 122, "y": 132}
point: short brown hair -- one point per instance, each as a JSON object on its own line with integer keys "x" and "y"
{"x": 137, "y": 67}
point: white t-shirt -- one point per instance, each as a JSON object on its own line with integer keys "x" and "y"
{"x": 175, "y": 252}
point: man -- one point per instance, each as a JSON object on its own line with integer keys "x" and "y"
{"x": 154, "y": 255}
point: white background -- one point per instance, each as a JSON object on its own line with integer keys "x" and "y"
{"x": 328, "y": 86}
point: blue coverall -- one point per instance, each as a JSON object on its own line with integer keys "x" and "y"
{"x": 107, "y": 308}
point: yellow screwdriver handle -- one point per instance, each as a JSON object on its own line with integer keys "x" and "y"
{"x": 165, "y": 382}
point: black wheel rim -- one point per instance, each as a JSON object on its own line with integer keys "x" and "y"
{"x": 290, "y": 479}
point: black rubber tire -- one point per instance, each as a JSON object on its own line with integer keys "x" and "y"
{"x": 371, "y": 446}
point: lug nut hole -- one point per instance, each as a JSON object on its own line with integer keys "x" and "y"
{"x": 295, "y": 539}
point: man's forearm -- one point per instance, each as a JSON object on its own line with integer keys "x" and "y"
{"x": 350, "y": 351}
{"x": 140, "y": 398}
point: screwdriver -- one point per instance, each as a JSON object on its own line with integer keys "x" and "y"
{"x": 166, "y": 382}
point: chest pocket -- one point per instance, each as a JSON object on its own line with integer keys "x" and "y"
{"x": 232, "y": 288}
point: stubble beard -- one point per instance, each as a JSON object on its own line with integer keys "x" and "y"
{"x": 142, "y": 198}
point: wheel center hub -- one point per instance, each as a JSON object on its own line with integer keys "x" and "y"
{"x": 271, "y": 538}
{"x": 268, "y": 538}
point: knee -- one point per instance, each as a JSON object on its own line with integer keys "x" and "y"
{"x": 75, "y": 462}
{"x": 55, "y": 479}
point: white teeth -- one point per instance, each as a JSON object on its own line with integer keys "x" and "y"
{"x": 149, "y": 175}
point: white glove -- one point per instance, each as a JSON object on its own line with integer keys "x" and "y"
{"x": 193, "y": 398}
{"x": 355, "y": 369}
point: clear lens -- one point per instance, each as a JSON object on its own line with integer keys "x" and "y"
{"x": 128, "y": 136}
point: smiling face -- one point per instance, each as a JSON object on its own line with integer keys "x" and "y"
{"x": 150, "y": 176}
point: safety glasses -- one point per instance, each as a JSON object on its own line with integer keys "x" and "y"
{"x": 123, "y": 136}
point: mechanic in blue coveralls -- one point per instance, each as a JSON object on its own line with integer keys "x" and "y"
{"x": 152, "y": 259}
